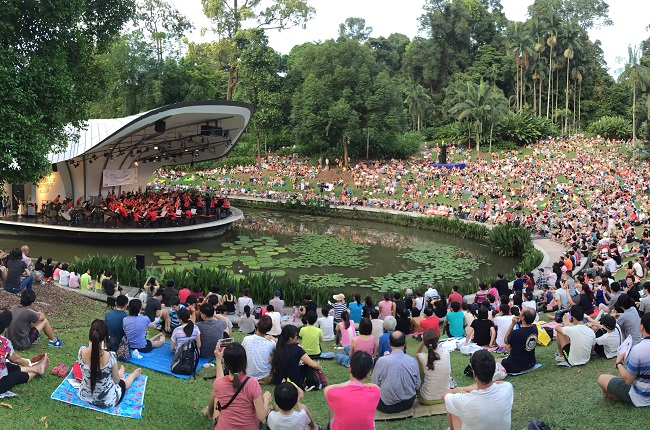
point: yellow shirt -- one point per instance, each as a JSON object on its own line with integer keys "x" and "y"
{"x": 311, "y": 336}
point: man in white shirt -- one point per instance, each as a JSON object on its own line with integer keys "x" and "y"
{"x": 467, "y": 406}
{"x": 277, "y": 302}
{"x": 326, "y": 324}
{"x": 259, "y": 349}
{"x": 430, "y": 294}
{"x": 574, "y": 340}
{"x": 638, "y": 269}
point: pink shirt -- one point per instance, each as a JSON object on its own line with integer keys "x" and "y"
{"x": 354, "y": 406}
{"x": 385, "y": 309}
{"x": 347, "y": 335}
{"x": 240, "y": 415}
{"x": 367, "y": 345}
{"x": 183, "y": 294}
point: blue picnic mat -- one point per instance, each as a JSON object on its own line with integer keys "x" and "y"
{"x": 130, "y": 407}
{"x": 537, "y": 366}
{"x": 160, "y": 360}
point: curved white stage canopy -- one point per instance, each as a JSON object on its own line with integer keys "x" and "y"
{"x": 121, "y": 154}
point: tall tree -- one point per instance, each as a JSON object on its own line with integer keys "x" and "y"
{"x": 354, "y": 28}
{"x": 418, "y": 101}
{"x": 571, "y": 40}
{"x": 47, "y": 74}
{"x": 229, "y": 16}
{"x": 637, "y": 76}
{"x": 520, "y": 45}
{"x": 162, "y": 21}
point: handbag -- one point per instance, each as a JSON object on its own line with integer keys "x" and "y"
{"x": 123, "y": 351}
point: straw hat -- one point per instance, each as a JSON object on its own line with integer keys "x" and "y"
{"x": 339, "y": 297}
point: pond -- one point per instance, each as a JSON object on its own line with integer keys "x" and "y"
{"x": 320, "y": 251}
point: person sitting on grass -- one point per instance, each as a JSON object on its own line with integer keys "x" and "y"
{"x": 397, "y": 376}
{"x": 455, "y": 321}
{"x": 312, "y": 336}
{"x": 485, "y": 405}
{"x": 250, "y": 407}
{"x": 363, "y": 342}
{"x": 64, "y": 275}
{"x": 352, "y": 404}
{"x": 247, "y": 321}
{"x": 17, "y": 268}
{"x": 632, "y": 384}
{"x": 383, "y": 347}
{"x": 135, "y": 329}
{"x": 287, "y": 358}
{"x": 169, "y": 318}
{"x": 435, "y": 368}
{"x": 259, "y": 350}
{"x": 346, "y": 330}
{"x": 212, "y": 330}
{"x": 114, "y": 319}
{"x": 521, "y": 343}
{"x": 185, "y": 332}
{"x": 482, "y": 330}
{"x": 27, "y": 325}
{"x": 276, "y": 317}
{"x": 608, "y": 336}
{"x": 14, "y": 369}
{"x": 574, "y": 339}
{"x": 287, "y": 397}
{"x": 326, "y": 324}
{"x": 104, "y": 384}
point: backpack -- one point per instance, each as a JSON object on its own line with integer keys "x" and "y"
{"x": 257, "y": 313}
{"x": 186, "y": 359}
{"x": 123, "y": 352}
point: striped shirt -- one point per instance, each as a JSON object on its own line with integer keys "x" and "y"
{"x": 338, "y": 309}
{"x": 638, "y": 364}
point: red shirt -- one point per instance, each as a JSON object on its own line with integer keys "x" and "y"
{"x": 456, "y": 297}
{"x": 431, "y": 322}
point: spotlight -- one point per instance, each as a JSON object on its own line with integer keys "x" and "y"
{"x": 136, "y": 164}
{"x": 155, "y": 147}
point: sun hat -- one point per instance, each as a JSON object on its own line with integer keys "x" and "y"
{"x": 339, "y": 297}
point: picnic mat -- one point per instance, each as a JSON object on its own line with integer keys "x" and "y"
{"x": 418, "y": 410}
{"x": 130, "y": 407}
{"x": 537, "y": 366}
{"x": 160, "y": 360}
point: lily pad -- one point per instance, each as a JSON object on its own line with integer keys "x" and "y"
{"x": 181, "y": 254}
{"x": 276, "y": 273}
{"x": 166, "y": 262}
{"x": 193, "y": 251}
{"x": 167, "y": 257}
{"x": 159, "y": 253}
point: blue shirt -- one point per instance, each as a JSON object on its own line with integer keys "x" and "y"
{"x": 114, "y": 322}
{"x": 135, "y": 329}
{"x": 456, "y": 320}
{"x": 383, "y": 346}
{"x": 518, "y": 284}
{"x": 638, "y": 364}
{"x": 355, "y": 311}
{"x": 398, "y": 376}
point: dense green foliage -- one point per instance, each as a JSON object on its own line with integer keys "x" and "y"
{"x": 48, "y": 69}
{"x": 611, "y": 127}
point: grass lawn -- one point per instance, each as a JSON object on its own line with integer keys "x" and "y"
{"x": 565, "y": 398}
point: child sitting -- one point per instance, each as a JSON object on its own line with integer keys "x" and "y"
{"x": 170, "y": 318}
{"x": 288, "y": 396}
{"x": 247, "y": 321}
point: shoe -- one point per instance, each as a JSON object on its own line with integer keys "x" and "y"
{"x": 311, "y": 387}
{"x": 56, "y": 369}
{"x": 564, "y": 363}
{"x": 36, "y": 359}
{"x": 55, "y": 343}
{"x": 560, "y": 359}
{"x": 64, "y": 370}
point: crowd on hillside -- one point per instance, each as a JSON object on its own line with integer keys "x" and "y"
{"x": 568, "y": 189}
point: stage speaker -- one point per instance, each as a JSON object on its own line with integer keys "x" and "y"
{"x": 55, "y": 168}
{"x": 139, "y": 261}
{"x": 442, "y": 158}
{"x": 159, "y": 126}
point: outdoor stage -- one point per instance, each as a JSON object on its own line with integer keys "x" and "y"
{"x": 39, "y": 227}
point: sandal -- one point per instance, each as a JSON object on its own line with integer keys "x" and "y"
{"x": 36, "y": 359}
{"x": 56, "y": 369}
{"x": 64, "y": 370}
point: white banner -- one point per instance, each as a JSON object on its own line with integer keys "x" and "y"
{"x": 116, "y": 178}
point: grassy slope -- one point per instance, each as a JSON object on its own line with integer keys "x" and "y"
{"x": 564, "y": 398}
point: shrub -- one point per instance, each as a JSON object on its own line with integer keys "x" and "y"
{"x": 508, "y": 240}
{"x": 448, "y": 132}
{"x": 520, "y": 129}
{"x": 611, "y": 127}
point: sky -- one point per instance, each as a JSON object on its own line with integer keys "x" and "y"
{"x": 385, "y": 17}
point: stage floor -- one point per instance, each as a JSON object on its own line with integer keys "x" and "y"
{"x": 38, "y": 226}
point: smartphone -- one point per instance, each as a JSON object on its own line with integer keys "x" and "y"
{"x": 223, "y": 342}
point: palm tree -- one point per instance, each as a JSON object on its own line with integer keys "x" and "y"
{"x": 552, "y": 24}
{"x": 636, "y": 74}
{"x": 536, "y": 30}
{"x": 474, "y": 108}
{"x": 520, "y": 45}
{"x": 571, "y": 40}
{"x": 418, "y": 101}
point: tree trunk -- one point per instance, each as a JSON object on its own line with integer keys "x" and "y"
{"x": 557, "y": 89}
{"x": 233, "y": 77}
{"x": 535, "y": 96}
{"x": 259, "y": 152}
{"x": 550, "y": 75}
{"x": 566, "y": 96}
{"x": 575, "y": 91}
{"x": 634, "y": 112}
{"x": 540, "y": 96}
{"x": 491, "y": 129}
{"x": 579, "y": 112}
{"x": 345, "y": 151}
{"x": 478, "y": 139}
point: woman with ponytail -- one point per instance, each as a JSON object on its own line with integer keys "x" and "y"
{"x": 243, "y": 410}
{"x": 287, "y": 356}
{"x": 435, "y": 369}
{"x": 347, "y": 330}
{"x": 185, "y": 332}
{"x": 103, "y": 384}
